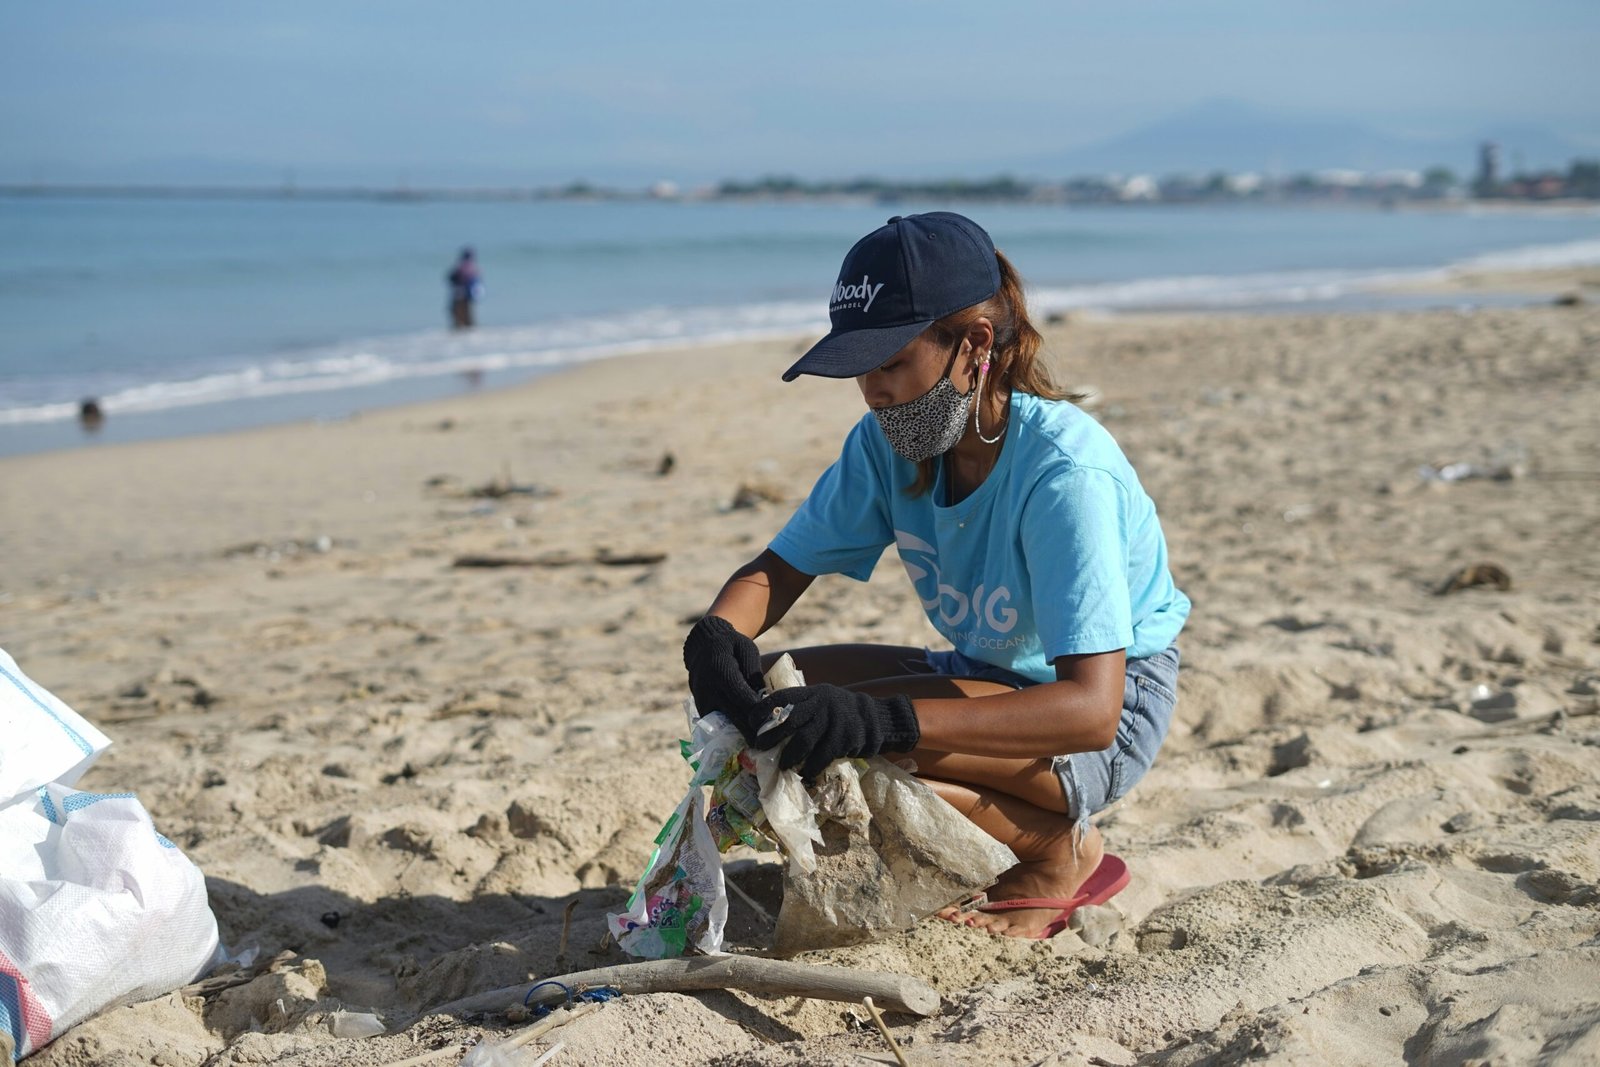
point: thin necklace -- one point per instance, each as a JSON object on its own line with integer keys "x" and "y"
{"x": 962, "y": 516}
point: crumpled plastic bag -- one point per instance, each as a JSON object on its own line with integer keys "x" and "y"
{"x": 871, "y": 849}
{"x": 892, "y": 853}
{"x": 42, "y": 740}
{"x": 96, "y": 909}
{"x": 754, "y": 802}
{"x": 844, "y": 883}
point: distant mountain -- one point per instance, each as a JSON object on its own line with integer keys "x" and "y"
{"x": 1226, "y": 135}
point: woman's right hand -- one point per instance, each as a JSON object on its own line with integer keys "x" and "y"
{"x": 724, "y": 673}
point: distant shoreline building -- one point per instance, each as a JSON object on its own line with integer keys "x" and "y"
{"x": 1382, "y": 188}
{"x": 1487, "y": 182}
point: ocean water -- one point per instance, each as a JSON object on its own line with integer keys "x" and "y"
{"x": 186, "y": 316}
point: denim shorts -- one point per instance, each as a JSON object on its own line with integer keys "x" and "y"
{"x": 1092, "y": 781}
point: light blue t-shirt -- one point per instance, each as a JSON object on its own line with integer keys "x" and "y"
{"x": 1058, "y": 552}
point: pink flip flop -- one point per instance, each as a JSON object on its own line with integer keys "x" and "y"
{"x": 965, "y": 906}
{"x": 1108, "y": 879}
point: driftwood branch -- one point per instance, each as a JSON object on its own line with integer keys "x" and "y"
{"x": 753, "y": 974}
{"x": 603, "y": 558}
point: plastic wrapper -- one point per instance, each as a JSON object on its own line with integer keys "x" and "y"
{"x": 720, "y": 759}
{"x": 839, "y": 798}
{"x": 753, "y": 801}
{"x": 681, "y": 901}
{"x": 789, "y": 811}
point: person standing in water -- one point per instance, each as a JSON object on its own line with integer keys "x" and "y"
{"x": 466, "y": 286}
{"x": 1031, "y": 545}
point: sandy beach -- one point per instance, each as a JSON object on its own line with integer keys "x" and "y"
{"x": 1372, "y": 837}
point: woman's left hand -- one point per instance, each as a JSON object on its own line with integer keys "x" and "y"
{"x": 828, "y": 722}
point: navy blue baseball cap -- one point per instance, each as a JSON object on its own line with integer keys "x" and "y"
{"x": 896, "y": 282}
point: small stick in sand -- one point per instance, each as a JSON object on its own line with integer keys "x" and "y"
{"x": 566, "y": 925}
{"x": 451, "y": 1049}
{"x": 550, "y": 1054}
{"x": 540, "y": 1029}
{"x": 559, "y": 1018}
{"x": 762, "y": 913}
{"x": 883, "y": 1029}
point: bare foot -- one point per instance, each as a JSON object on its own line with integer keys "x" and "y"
{"x": 1059, "y": 873}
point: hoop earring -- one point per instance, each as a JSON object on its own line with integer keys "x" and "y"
{"x": 983, "y": 373}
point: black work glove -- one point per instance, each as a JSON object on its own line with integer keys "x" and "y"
{"x": 828, "y": 723}
{"x": 725, "y": 673}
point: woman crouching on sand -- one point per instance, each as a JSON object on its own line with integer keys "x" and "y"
{"x": 1031, "y": 545}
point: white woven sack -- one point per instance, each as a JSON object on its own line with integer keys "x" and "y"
{"x": 96, "y": 909}
{"x": 41, "y": 739}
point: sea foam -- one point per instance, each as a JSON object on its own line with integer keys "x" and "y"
{"x": 435, "y": 353}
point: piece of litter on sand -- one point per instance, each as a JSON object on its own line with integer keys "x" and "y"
{"x": 503, "y": 487}
{"x": 1491, "y": 706}
{"x": 549, "y": 559}
{"x": 278, "y": 550}
{"x": 1509, "y": 467}
{"x": 1473, "y": 575}
{"x": 352, "y": 1024}
{"x": 607, "y": 558}
{"x": 754, "y": 494}
{"x": 504, "y": 1054}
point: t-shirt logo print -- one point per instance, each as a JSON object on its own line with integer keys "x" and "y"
{"x": 984, "y": 607}
{"x": 847, "y": 295}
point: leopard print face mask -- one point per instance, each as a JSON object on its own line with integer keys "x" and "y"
{"x": 928, "y": 426}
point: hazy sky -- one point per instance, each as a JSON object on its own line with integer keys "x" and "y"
{"x": 492, "y": 91}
